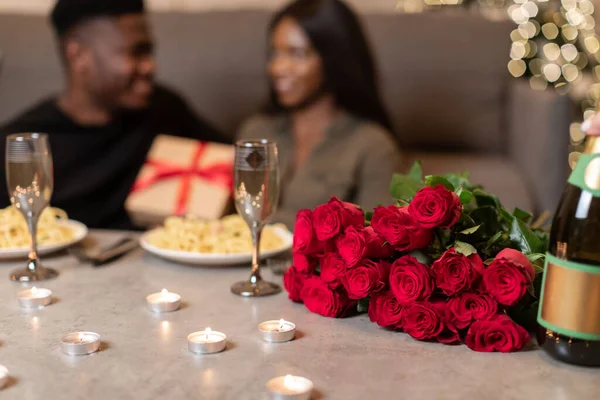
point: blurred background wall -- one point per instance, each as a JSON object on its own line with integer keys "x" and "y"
{"x": 41, "y": 6}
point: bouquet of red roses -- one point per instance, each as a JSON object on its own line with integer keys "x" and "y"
{"x": 447, "y": 262}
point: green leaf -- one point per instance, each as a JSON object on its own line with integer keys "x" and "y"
{"x": 421, "y": 257}
{"x": 506, "y": 216}
{"x": 460, "y": 180}
{"x": 403, "y": 187}
{"x": 489, "y": 220}
{"x": 402, "y": 203}
{"x": 416, "y": 171}
{"x": 465, "y": 195}
{"x": 524, "y": 238}
{"x": 368, "y": 216}
{"x": 544, "y": 239}
{"x": 464, "y": 248}
{"x": 522, "y": 215}
{"x": 485, "y": 199}
{"x": 489, "y": 261}
{"x": 470, "y": 231}
{"x": 434, "y": 180}
{"x": 535, "y": 257}
{"x": 493, "y": 240}
{"x": 363, "y": 306}
{"x": 445, "y": 237}
{"x": 466, "y": 220}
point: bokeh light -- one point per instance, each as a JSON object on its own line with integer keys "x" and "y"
{"x": 552, "y": 72}
{"x": 517, "y": 67}
{"x": 569, "y": 52}
{"x": 551, "y": 51}
{"x": 550, "y": 31}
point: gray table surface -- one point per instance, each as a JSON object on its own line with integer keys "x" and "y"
{"x": 145, "y": 356}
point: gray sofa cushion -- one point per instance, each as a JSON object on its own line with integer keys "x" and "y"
{"x": 444, "y": 78}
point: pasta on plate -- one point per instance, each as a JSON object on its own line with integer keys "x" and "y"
{"x": 229, "y": 235}
{"x": 14, "y": 233}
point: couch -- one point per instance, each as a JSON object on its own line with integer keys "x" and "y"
{"x": 443, "y": 75}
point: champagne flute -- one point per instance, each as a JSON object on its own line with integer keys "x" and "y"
{"x": 256, "y": 194}
{"x": 30, "y": 181}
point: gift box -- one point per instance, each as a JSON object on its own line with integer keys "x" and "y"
{"x": 182, "y": 177}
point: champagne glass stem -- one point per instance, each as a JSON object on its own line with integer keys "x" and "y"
{"x": 32, "y": 223}
{"x": 256, "y": 234}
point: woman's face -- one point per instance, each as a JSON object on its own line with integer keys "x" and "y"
{"x": 295, "y": 67}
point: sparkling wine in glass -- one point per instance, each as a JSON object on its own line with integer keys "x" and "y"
{"x": 30, "y": 181}
{"x": 256, "y": 194}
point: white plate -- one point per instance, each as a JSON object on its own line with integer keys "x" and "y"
{"x": 214, "y": 259}
{"x": 79, "y": 232}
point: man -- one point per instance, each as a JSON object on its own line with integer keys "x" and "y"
{"x": 102, "y": 125}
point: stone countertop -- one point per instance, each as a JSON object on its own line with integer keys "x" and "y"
{"x": 145, "y": 356}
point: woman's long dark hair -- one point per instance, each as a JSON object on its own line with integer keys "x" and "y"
{"x": 350, "y": 71}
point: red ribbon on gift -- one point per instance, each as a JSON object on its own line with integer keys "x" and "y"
{"x": 220, "y": 174}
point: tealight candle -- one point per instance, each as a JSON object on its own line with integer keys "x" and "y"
{"x": 80, "y": 343}
{"x": 163, "y": 301}
{"x": 277, "y": 331}
{"x": 290, "y": 388}
{"x": 4, "y": 377}
{"x": 34, "y": 297}
{"x": 207, "y": 342}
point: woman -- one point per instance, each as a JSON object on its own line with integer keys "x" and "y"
{"x": 325, "y": 112}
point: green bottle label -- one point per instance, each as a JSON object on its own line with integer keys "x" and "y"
{"x": 570, "y": 299}
{"x": 586, "y": 174}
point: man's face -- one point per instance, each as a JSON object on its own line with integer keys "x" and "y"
{"x": 119, "y": 65}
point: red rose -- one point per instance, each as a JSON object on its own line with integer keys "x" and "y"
{"x": 293, "y": 281}
{"x": 305, "y": 240}
{"x": 449, "y": 333}
{"x": 469, "y": 307}
{"x": 304, "y": 264}
{"x": 376, "y": 246}
{"x": 422, "y": 321}
{"x": 385, "y": 310}
{"x": 506, "y": 281}
{"x": 333, "y": 270}
{"x": 410, "y": 280}
{"x": 322, "y": 300}
{"x": 519, "y": 259}
{"x": 434, "y": 207}
{"x": 366, "y": 278}
{"x": 454, "y": 272}
{"x": 332, "y": 218}
{"x": 354, "y": 245}
{"x": 352, "y": 215}
{"x": 399, "y": 229}
{"x": 499, "y": 333}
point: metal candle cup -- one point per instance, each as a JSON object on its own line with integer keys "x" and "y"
{"x": 290, "y": 388}
{"x": 80, "y": 343}
{"x": 207, "y": 342}
{"x": 34, "y": 298}
{"x": 277, "y": 331}
{"x": 163, "y": 301}
{"x": 4, "y": 377}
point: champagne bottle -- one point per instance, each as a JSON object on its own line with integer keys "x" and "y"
{"x": 569, "y": 312}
